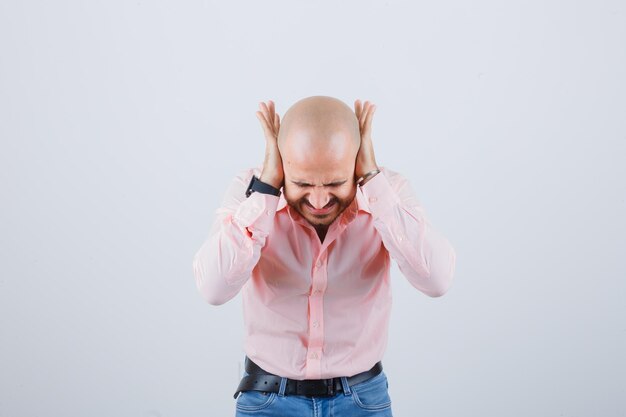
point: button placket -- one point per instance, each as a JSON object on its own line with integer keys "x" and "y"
{"x": 316, "y": 308}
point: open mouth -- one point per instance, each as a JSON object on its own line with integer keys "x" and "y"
{"x": 322, "y": 211}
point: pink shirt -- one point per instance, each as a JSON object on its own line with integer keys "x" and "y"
{"x": 320, "y": 310}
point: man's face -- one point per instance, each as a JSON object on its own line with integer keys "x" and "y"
{"x": 318, "y": 142}
{"x": 320, "y": 193}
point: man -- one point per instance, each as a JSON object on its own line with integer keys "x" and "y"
{"x": 313, "y": 260}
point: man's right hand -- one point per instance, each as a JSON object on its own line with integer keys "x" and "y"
{"x": 272, "y": 173}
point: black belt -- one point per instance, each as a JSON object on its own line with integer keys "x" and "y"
{"x": 261, "y": 380}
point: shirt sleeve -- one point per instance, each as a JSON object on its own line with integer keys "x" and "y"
{"x": 225, "y": 261}
{"x": 424, "y": 256}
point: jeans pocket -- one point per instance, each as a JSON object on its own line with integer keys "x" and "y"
{"x": 372, "y": 394}
{"x": 254, "y": 400}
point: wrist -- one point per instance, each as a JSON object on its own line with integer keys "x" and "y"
{"x": 271, "y": 180}
{"x": 256, "y": 184}
{"x": 368, "y": 176}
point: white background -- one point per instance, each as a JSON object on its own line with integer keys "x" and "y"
{"x": 122, "y": 123}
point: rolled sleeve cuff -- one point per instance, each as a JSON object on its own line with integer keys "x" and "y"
{"x": 380, "y": 195}
{"x": 257, "y": 212}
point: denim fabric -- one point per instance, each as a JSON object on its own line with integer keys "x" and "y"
{"x": 368, "y": 398}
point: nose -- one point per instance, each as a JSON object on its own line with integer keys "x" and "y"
{"x": 319, "y": 197}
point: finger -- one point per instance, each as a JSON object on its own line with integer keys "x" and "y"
{"x": 366, "y": 109}
{"x": 264, "y": 108}
{"x": 267, "y": 130}
{"x": 261, "y": 117}
{"x": 269, "y": 117}
{"x": 272, "y": 110}
{"x": 367, "y": 114}
{"x": 370, "y": 109}
{"x": 364, "y": 112}
{"x": 363, "y": 119}
{"x": 370, "y": 117}
{"x": 276, "y": 123}
{"x": 267, "y": 112}
{"x": 357, "y": 108}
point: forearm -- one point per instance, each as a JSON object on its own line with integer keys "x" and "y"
{"x": 222, "y": 266}
{"x": 425, "y": 257}
{"x": 225, "y": 261}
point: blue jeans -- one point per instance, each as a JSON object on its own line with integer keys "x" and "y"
{"x": 368, "y": 398}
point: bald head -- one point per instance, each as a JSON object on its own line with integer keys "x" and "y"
{"x": 318, "y": 128}
{"x": 318, "y": 141}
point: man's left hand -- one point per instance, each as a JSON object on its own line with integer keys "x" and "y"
{"x": 365, "y": 160}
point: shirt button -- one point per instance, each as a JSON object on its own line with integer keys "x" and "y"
{"x": 314, "y": 355}
{"x": 268, "y": 212}
{"x": 400, "y": 238}
{"x": 315, "y": 324}
{"x": 318, "y": 264}
{"x": 373, "y": 199}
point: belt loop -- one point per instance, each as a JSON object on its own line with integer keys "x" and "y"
{"x": 283, "y": 384}
{"x": 345, "y": 385}
{"x": 330, "y": 384}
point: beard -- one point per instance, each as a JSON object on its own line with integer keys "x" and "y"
{"x": 320, "y": 220}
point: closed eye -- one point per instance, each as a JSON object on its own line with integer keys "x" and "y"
{"x": 306, "y": 185}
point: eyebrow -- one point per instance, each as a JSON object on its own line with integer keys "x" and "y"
{"x": 303, "y": 183}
